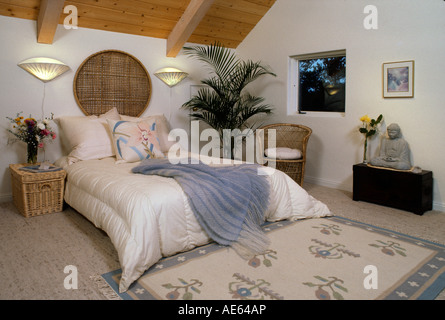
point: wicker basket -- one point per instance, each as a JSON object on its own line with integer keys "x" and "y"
{"x": 292, "y": 136}
{"x": 35, "y": 194}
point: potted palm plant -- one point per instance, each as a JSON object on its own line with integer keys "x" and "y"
{"x": 224, "y": 103}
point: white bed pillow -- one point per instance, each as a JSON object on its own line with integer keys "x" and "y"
{"x": 162, "y": 129}
{"x": 87, "y": 137}
{"x": 283, "y": 153}
{"x": 135, "y": 140}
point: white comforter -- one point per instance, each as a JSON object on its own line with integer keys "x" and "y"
{"x": 148, "y": 217}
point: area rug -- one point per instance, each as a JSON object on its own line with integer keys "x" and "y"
{"x": 328, "y": 259}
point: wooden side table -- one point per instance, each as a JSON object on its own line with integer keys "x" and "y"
{"x": 37, "y": 193}
{"x": 408, "y": 191}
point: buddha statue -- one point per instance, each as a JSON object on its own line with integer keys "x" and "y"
{"x": 394, "y": 151}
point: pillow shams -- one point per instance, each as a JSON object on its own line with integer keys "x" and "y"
{"x": 87, "y": 137}
{"x": 162, "y": 129}
{"x": 135, "y": 141}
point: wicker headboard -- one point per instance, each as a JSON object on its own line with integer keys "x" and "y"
{"x": 110, "y": 79}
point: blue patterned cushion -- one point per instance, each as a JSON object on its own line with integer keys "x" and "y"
{"x": 135, "y": 141}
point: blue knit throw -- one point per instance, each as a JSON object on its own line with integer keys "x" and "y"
{"x": 229, "y": 202}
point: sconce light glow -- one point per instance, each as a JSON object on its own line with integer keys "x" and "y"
{"x": 44, "y": 69}
{"x": 171, "y": 76}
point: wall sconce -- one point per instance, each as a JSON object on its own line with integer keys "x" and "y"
{"x": 44, "y": 69}
{"x": 171, "y": 76}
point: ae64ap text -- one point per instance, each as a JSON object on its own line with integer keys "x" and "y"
{"x": 226, "y": 309}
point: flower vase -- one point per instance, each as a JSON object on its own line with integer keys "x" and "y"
{"x": 32, "y": 152}
{"x": 365, "y": 159}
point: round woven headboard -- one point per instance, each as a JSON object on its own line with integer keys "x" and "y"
{"x": 110, "y": 79}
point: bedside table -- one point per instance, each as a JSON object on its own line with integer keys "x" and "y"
{"x": 37, "y": 193}
{"x": 402, "y": 190}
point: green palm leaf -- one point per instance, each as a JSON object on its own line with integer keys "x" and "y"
{"x": 224, "y": 103}
{"x": 221, "y": 60}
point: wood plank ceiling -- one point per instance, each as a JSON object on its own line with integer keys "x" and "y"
{"x": 178, "y": 21}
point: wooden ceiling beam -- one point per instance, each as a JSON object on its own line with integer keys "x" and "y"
{"x": 191, "y": 18}
{"x": 227, "y": 21}
{"x": 48, "y": 20}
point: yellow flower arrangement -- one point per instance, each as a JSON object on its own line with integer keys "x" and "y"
{"x": 368, "y": 128}
{"x": 365, "y": 119}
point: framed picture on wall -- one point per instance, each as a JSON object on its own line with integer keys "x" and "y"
{"x": 398, "y": 79}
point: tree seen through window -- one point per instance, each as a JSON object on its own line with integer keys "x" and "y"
{"x": 322, "y": 84}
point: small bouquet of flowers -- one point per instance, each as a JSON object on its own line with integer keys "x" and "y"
{"x": 33, "y": 132}
{"x": 368, "y": 128}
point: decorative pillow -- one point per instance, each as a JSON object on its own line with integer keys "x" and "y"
{"x": 283, "y": 153}
{"x": 135, "y": 141}
{"x": 162, "y": 129}
{"x": 87, "y": 137}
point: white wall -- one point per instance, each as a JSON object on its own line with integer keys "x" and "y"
{"x": 407, "y": 30}
{"x": 19, "y": 91}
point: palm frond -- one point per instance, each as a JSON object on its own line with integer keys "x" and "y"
{"x": 221, "y": 60}
{"x": 223, "y": 103}
{"x": 248, "y": 72}
{"x": 251, "y": 106}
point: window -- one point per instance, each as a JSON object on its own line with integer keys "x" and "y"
{"x": 318, "y": 82}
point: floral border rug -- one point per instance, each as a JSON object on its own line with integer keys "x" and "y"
{"x": 327, "y": 259}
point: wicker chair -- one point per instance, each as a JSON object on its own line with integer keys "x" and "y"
{"x": 291, "y": 136}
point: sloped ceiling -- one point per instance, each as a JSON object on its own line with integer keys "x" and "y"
{"x": 178, "y": 21}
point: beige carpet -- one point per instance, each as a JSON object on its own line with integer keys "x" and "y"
{"x": 35, "y": 251}
{"x": 307, "y": 260}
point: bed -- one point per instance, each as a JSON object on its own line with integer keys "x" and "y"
{"x": 147, "y": 217}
